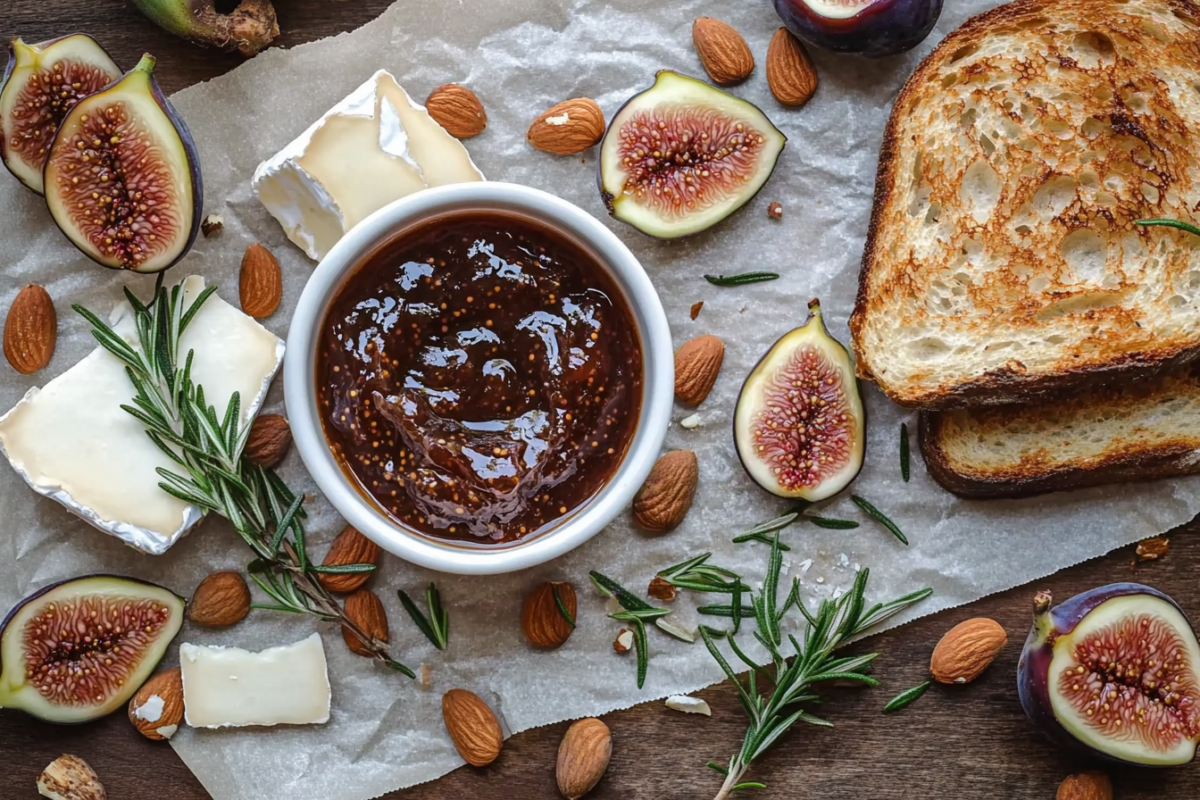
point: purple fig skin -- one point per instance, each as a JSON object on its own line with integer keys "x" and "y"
{"x": 884, "y": 28}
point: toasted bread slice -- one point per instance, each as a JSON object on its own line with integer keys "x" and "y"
{"x": 1003, "y": 260}
{"x": 1143, "y": 430}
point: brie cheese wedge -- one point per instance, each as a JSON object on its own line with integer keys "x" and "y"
{"x": 72, "y": 442}
{"x": 372, "y": 148}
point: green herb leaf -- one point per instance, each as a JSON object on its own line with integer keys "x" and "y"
{"x": 436, "y": 626}
{"x": 1170, "y": 223}
{"x": 833, "y": 524}
{"x": 907, "y": 697}
{"x": 562, "y": 609}
{"x": 904, "y": 455}
{"x": 877, "y": 515}
{"x": 741, "y": 279}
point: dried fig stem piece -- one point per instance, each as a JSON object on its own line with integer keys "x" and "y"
{"x": 247, "y": 29}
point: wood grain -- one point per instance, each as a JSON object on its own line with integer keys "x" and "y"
{"x": 957, "y": 743}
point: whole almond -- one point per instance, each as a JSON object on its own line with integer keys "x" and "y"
{"x": 791, "y": 75}
{"x": 260, "y": 285}
{"x": 722, "y": 50}
{"x": 967, "y": 650}
{"x": 473, "y": 727}
{"x": 269, "y": 440}
{"x": 350, "y": 547}
{"x": 30, "y": 330}
{"x": 542, "y": 621}
{"x": 664, "y": 499}
{"x": 221, "y": 599}
{"x": 697, "y": 364}
{"x": 157, "y": 708}
{"x": 365, "y": 609}
{"x": 457, "y": 109}
{"x": 568, "y": 128}
{"x": 583, "y": 757}
{"x": 1086, "y": 786}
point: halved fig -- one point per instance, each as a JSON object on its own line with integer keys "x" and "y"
{"x": 873, "y": 28}
{"x": 248, "y": 27}
{"x": 42, "y": 83}
{"x": 79, "y": 649}
{"x": 1115, "y": 670}
{"x": 800, "y": 424}
{"x": 122, "y": 179}
{"x": 683, "y": 155}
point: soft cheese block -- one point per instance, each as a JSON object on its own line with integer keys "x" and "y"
{"x": 372, "y": 148}
{"x": 229, "y": 687}
{"x": 71, "y": 440}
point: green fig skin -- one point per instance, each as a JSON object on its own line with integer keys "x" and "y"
{"x": 247, "y": 29}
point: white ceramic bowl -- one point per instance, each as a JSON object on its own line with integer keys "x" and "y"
{"x": 657, "y": 377}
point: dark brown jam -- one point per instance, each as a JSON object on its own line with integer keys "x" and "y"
{"x": 480, "y": 377}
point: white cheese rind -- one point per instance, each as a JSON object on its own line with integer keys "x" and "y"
{"x": 227, "y": 687}
{"x": 372, "y": 148}
{"x": 72, "y": 442}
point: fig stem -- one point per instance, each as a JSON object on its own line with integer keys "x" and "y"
{"x": 1042, "y": 623}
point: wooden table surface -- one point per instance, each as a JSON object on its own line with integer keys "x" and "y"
{"x": 957, "y": 743}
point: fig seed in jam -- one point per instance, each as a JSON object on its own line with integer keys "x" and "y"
{"x": 479, "y": 377}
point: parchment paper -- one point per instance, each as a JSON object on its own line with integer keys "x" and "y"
{"x": 521, "y": 56}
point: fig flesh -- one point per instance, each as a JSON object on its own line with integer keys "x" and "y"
{"x": 800, "y": 424}
{"x": 1114, "y": 670}
{"x": 682, "y": 155}
{"x": 873, "y": 28}
{"x": 42, "y": 83}
{"x": 248, "y": 28}
{"x": 79, "y": 649}
{"x": 122, "y": 179}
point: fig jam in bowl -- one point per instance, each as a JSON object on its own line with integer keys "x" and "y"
{"x": 480, "y": 377}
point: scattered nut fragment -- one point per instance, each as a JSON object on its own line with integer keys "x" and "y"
{"x": 775, "y": 210}
{"x": 350, "y": 547}
{"x": 695, "y": 312}
{"x": 690, "y": 422}
{"x": 568, "y": 128}
{"x": 365, "y": 609}
{"x": 260, "y": 285}
{"x": 473, "y": 727}
{"x": 791, "y": 76}
{"x": 723, "y": 51}
{"x": 157, "y": 708}
{"x": 662, "y": 589}
{"x": 688, "y": 705}
{"x": 30, "y": 330}
{"x": 70, "y": 778}
{"x": 457, "y": 109}
{"x": 1151, "y": 549}
{"x": 697, "y": 365}
{"x": 212, "y": 225}
{"x": 624, "y": 641}
{"x": 426, "y": 677}
{"x": 664, "y": 499}
{"x": 221, "y": 599}
{"x": 542, "y": 621}
{"x": 1086, "y": 786}
{"x": 269, "y": 440}
{"x": 583, "y": 757}
{"x": 967, "y": 650}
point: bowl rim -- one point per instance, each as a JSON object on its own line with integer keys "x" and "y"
{"x": 657, "y": 377}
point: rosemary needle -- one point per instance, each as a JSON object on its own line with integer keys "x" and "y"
{"x": 562, "y": 609}
{"x": 877, "y": 515}
{"x": 436, "y": 626}
{"x": 1169, "y": 223}
{"x": 904, "y": 455}
{"x": 741, "y": 279}
{"x": 907, "y": 697}
{"x": 833, "y": 524}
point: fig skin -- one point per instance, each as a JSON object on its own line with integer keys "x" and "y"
{"x": 1034, "y": 682}
{"x": 883, "y": 28}
{"x": 247, "y": 29}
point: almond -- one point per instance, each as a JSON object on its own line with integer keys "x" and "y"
{"x": 722, "y": 50}
{"x": 791, "y": 75}
{"x": 221, "y": 599}
{"x": 260, "y": 286}
{"x": 662, "y": 589}
{"x": 157, "y": 708}
{"x": 568, "y": 128}
{"x": 473, "y": 727}
{"x": 542, "y": 621}
{"x": 583, "y": 757}
{"x": 350, "y": 547}
{"x": 269, "y": 440}
{"x": 457, "y": 109}
{"x": 365, "y": 609}
{"x": 624, "y": 641}
{"x": 1086, "y": 786}
{"x": 664, "y": 499}
{"x": 31, "y": 330}
{"x": 967, "y": 650}
{"x": 697, "y": 364}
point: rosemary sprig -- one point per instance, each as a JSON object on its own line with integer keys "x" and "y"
{"x": 436, "y": 626}
{"x": 904, "y": 454}
{"x": 211, "y": 472}
{"x": 877, "y": 515}
{"x": 763, "y": 530}
{"x": 1169, "y": 223}
{"x": 741, "y": 279}
{"x": 907, "y": 697}
{"x": 638, "y": 612}
{"x": 698, "y": 575}
{"x": 833, "y": 524}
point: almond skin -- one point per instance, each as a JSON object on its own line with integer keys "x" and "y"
{"x": 967, "y": 650}
{"x": 723, "y": 51}
{"x": 269, "y": 440}
{"x": 457, "y": 109}
{"x": 664, "y": 499}
{"x": 568, "y": 128}
{"x": 697, "y": 364}
{"x": 145, "y": 715}
{"x": 583, "y": 757}
{"x": 473, "y": 727}
{"x": 350, "y": 547}
{"x": 365, "y": 609}
{"x": 791, "y": 75}
{"x": 541, "y": 620}
{"x": 30, "y": 330}
{"x": 1086, "y": 786}
{"x": 221, "y": 599}
{"x": 662, "y": 589}
{"x": 260, "y": 286}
